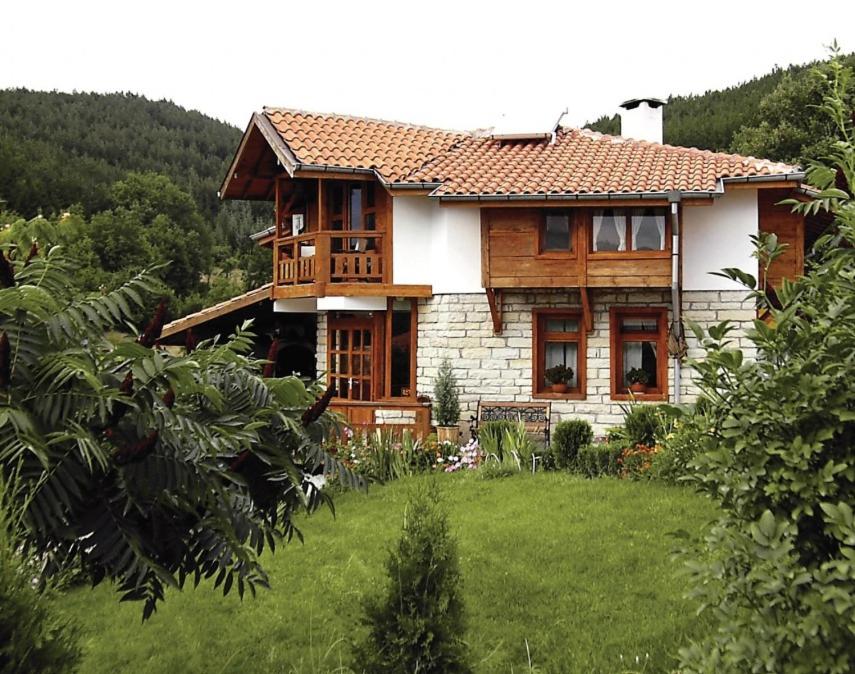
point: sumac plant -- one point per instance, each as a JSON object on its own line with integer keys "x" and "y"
{"x": 139, "y": 466}
{"x": 776, "y": 571}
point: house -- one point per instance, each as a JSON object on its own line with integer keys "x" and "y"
{"x": 395, "y": 246}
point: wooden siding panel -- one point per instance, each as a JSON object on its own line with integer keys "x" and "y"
{"x": 790, "y": 229}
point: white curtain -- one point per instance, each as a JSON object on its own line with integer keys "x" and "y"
{"x": 614, "y": 223}
{"x": 651, "y": 222}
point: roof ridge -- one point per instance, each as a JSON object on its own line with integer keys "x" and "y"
{"x": 269, "y": 109}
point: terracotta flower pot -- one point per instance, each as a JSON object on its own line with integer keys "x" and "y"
{"x": 638, "y": 387}
{"x": 448, "y": 434}
{"x": 559, "y": 388}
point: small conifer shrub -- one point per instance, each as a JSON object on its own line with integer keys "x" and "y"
{"x": 447, "y": 404}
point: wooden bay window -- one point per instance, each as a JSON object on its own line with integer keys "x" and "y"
{"x": 639, "y": 341}
{"x": 558, "y": 338}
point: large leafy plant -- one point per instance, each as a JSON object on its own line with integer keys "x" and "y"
{"x": 141, "y": 466}
{"x": 776, "y": 571}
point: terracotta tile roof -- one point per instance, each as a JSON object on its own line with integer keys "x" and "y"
{"x": 393, "y": 149}
{"x": 584, "y": 162}
{"x": 578, "y": 162}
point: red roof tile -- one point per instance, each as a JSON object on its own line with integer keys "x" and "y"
{"x": 392, "y": 149}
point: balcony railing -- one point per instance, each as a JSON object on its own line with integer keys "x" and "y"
{"x": 331, "y": 257}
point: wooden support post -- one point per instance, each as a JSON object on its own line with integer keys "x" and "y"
{"x": 494, "y": 299}
{"x": 587, "y": 312}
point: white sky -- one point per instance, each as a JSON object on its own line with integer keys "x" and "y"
{"x": 451, "y": 64}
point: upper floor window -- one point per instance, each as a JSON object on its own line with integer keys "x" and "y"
{"x": 556, "y": 232}
{"x": 619, "y": 229}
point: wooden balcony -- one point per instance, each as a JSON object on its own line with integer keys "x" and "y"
{"x": 331, "y": 257}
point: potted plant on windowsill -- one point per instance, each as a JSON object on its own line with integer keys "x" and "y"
{"x": 559, "y": 378}
{"x": 638, "y": 380}
{"x": 446, "y": 405}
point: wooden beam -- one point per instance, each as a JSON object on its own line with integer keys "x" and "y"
{"x": 587, "y": 312}
{"x": 334, "y": 175}
{"x": 494, "y": 299}
{"x": 351, "y": 290}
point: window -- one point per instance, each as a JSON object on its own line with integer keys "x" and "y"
{"x": 558, "y": 340}
{"x": 401, "y": 327}
{"x": 639, "y": 343}
{"x": 609, "y": 229}
{"x": 647, "y": 230}
{"x": 556, "y": 233}
{"x": 352, "y": 206}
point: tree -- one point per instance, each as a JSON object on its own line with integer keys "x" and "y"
{"x": 791, "y": 124}
{"x": 776, "y": 571}
{"x": 447, "y": 408}
{"x": 416, "y": 624}
{"x": 139, "y": 466}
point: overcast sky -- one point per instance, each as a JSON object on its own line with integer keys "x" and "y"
{"x": 450, "y": 64}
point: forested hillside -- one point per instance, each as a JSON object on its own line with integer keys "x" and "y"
{"x": 772, "y": 116}
{"x": 140, "y": 178}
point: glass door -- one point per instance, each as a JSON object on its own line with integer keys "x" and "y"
{"x": 351, "y": 357}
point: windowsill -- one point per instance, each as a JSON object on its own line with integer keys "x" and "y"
{"x": 556, "y": 255}
{"x": 640, "y": 396}
{"x": 549, "y": 395}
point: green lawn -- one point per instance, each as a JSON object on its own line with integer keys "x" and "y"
{"x": 578, "y": 568}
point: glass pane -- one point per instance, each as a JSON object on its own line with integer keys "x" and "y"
{"x": 639, "y": 324}
{"x": 609, "y": 229}
{"x": 336, "y": 203}
{"x": 366, "y": 364}
{"x": 640, "y": 355}
{"x": 343, "y": 340}
{"x": 562, "y": 325}
{"x": 401, "y": 352}
{"x": 557, "y": 234}
{"x": 343, "y": 387}
{"x": 366, "y": 338}
{"x": 563, "y": 353}
{"x": 364, "y": 389}
{"x": 370, "y": 222}
{"x": 343, "y": 364}
{"x": 356, "y": 208}
{"x": 648, "y": 229}
{"x": 357, "y": 338}
{"x": 369, "y": 195}
{"x": 357, "y": 365}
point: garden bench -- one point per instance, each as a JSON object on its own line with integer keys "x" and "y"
{"x": 535, "y": 416}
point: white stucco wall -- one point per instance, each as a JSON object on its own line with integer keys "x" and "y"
{"x": 716, "y": 236}
{"x": 436, "y": 245}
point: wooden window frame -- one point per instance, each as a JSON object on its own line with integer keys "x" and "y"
{"x": 387, "y": 357}
{"x": 542, "y": 251}
{"x": 539, "y": 338}
{"x": 629, "y": 253}
{"x": 616, "y": 314}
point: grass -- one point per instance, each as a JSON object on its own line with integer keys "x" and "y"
{"x": 567, "y": 574}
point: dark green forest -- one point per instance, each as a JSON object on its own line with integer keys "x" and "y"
{"x": 130, "y": 182}
{"x": 771, "y": 116}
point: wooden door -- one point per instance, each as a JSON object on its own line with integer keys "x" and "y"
{"x": 351, "y": 358}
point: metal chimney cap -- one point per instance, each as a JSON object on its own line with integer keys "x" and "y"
{"x": 633, "y": 103}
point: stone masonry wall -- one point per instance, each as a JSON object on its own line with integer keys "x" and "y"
{"x": 499, "y": 368}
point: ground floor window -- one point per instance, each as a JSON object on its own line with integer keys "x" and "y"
{"x": 639, "y": 352}
{"x": 559, "y": 354}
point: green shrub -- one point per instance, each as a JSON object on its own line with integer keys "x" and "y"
{"x": 33, "y": 638}
{"x": 568, "y": 438}
{"x": 688, "y": 438}
{"x": 446, "y": 404}
{"x": 776, "y": 570}
{"x": 642, "y": 425}
{"x": 598, "y": 459}
{"x": 417, "y": 623}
